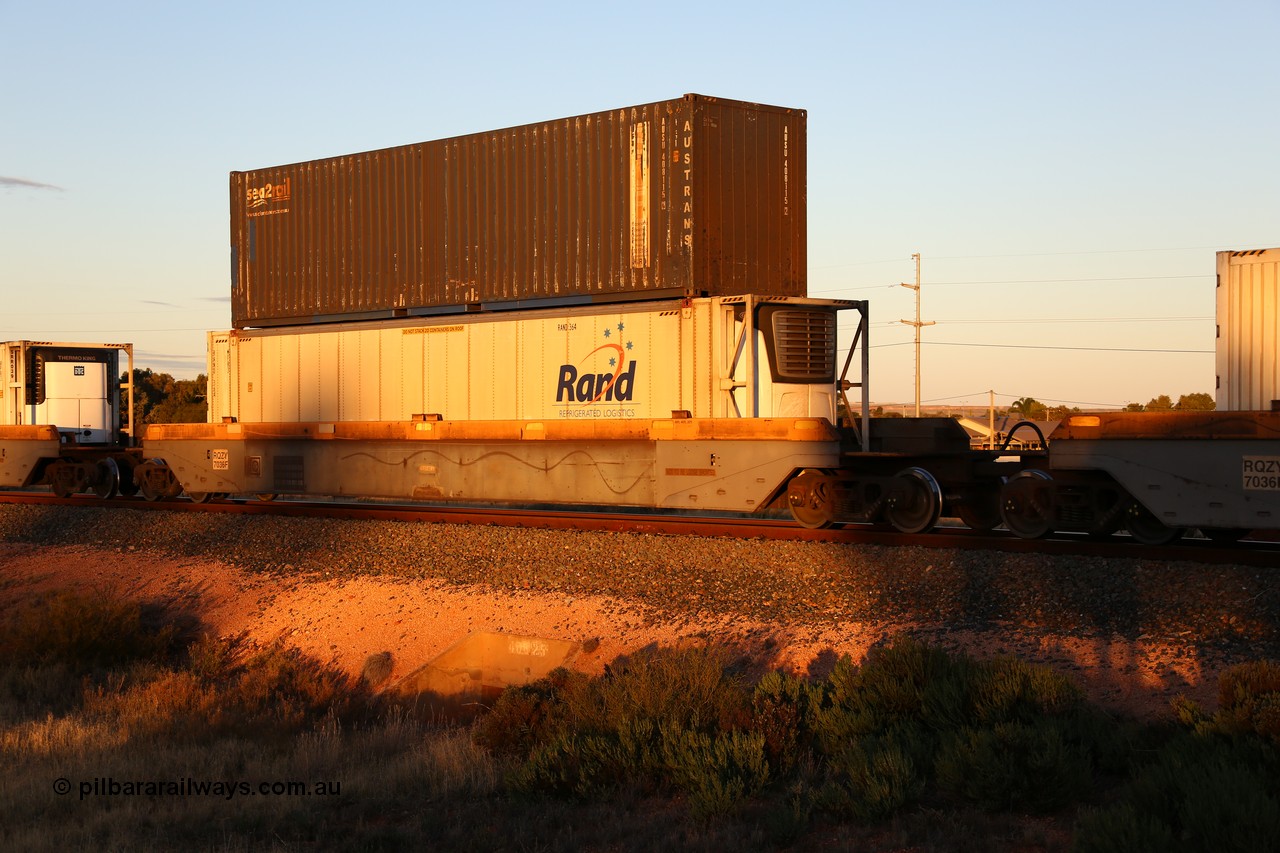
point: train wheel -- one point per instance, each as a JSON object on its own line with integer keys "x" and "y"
{"x": 810, "y": 499}
{"x": 200, "y": 497}
{"x": 1149, "y": 530}
{"x": 157, "y": 481}
{"x": 106, "y": 479}
{"x": 1026, "y": 504}
{"x": 1110, "y": 507}
{"x": 916, "y": 502}
{"x": 64, "y": 479}
{"x": 979, "y": 509}
{"x": 128, "y": 486}
{"x": 265, "y": 496}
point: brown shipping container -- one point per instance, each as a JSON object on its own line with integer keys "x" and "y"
{"x": 695, "y": 196}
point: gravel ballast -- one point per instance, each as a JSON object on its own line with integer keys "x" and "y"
{"x": 985, "y": 602}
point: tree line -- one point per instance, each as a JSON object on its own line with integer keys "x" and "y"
{"x": 1032, "y": 409}
{"x": 158, "y": 398}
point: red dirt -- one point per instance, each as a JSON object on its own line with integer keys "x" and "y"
{"x": 344, "y": 621}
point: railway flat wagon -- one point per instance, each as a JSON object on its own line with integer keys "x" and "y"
{"x": 1155, "y": 474}
{"x": 61, "y": 419}
{"x": 707, "y": 404}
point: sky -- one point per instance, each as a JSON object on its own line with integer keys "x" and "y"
{"x": 1066, "y": 171}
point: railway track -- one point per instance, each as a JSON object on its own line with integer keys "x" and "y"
{"x": 1264, "y": 554}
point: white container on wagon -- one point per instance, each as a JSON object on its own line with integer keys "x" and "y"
{"x": 720, "y": 357}
{"x": 1248, "y": 346}
{"x": 73, "y": 386}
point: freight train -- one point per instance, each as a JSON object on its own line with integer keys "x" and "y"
{"x": 602, "y": 311}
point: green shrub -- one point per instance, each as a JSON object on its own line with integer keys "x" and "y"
{"x": 1015, "y": 735}
{"x": 557, "y": 766}
{"x": 1014, "y": 766}
{"x": 1249, "y": 700}
{"x": 687, "y": 688}
{"x": 899, "y": 683}
{"x": 870, "y": 779}
{"x": 1007, "y": 689}
{"x": 1215, "y": 793}
{"x": 780, "y": 711}
{"x": 525, "y": 716}
{"x": 664, "y": 717}
{"x": 680, "y": 689}
{"x": 1112, "y": 745}
{"x": 1122, "y": 829}
{"x": 589, "y": 765}
{"x": 716, "y": 772}
{"x": 786, "y": 818}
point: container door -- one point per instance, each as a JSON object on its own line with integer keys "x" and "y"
{"x": 77, "y": 400}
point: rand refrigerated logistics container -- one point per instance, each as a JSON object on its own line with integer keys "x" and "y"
{"x": 1248, "y": 339}
{"x": 695, "y": 196}
{"x": 719, "y": 357}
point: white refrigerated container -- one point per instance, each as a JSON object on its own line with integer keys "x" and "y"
{"x": 720, "y": 357}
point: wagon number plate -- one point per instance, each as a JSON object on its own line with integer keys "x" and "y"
{"x": 1262, "y": 473}
{"x": 221, "y": 460}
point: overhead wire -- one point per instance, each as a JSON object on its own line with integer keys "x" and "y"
{"x": 1028, "y": 255}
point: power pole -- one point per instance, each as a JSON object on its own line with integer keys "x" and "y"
{"x": 917, "y": 323}
{"x": 991, "y": 415}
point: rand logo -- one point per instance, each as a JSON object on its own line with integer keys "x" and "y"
{"x": 606, "y": 374}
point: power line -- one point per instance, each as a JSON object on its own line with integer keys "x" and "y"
{"x": 1068, "y": 280}
{"x": 1085, "y": 252}
{"x": 27, "y": 333}
{"x": 1078, "y": 349}
{"x": 848, "y": 289}
{"x": 1023, "y": 396}
{"x": 1217, "y": 248}
{"x": 1103, "y": 279}
{"x": 1078, "y": 320}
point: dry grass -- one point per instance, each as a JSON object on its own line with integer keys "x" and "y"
{"x": 161, "y": 738}
{"x": 161, "y": 744}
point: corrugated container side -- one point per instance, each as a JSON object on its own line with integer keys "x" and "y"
{"x": 624, "y": 361}
{"x": 695, "y": 196}
{"x": 1248, "y": 343}
{"x": 11, "y": 383}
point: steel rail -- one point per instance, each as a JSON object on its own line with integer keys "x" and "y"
{"x": 1250, "y": 553}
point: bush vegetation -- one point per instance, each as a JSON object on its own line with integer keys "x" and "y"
{"x": 681, "y": 747}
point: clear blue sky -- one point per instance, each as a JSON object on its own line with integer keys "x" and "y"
{"x": 1067, "y": 171}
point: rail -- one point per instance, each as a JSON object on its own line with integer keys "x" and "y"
{"x": 1265, "y": 554}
